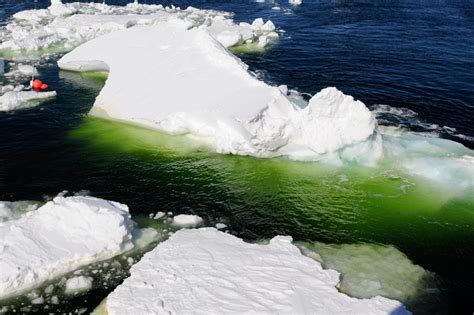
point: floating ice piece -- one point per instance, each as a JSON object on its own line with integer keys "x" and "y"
{"x": 186, "y": 82}
{"x": 78, "y": 284}
{"x": 20, "y": 99}
{"x": 59, "y": 237}
{"x": 234, "y": 277}
{"x": 296, "y": 2}
{"x": 221, "y": 226}
{"x": 187, "y": 220}
{"x": 64, "y": 26}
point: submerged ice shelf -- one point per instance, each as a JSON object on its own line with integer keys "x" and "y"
{"x": 209, "y": 271}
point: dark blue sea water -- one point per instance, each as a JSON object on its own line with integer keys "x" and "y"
{"x": 416, "y": 55}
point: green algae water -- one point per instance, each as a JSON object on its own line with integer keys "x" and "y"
{"x": 261, "y": 198}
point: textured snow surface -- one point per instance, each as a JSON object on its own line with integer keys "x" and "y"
{"x": 207, "y": 271}
{"x": 64, "y": 26}
{"x": 183, "y": 81}
{"x": 59, "y": 237}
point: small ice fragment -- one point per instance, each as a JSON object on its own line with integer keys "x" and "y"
{"x": 38, "y": 300}
{"x": 78, "y": 284}
{"x": 187, "y": 220}
{"x": 220, "y": 226}
{"x": 159, "y": 215}
{"x": 49, "y": 289}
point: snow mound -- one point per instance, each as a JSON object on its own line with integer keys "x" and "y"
{"x": 59, "y": 237}
{"x": 207, "y": 271}
{"x": 187, "y": 220}
{"x": 12, "y": 100}
{"x": 184, "y": 81}
{"x": 64, "y": 26}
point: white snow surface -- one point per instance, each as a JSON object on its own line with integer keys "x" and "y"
{"x": 59, "y": 237}
{"x": 206, "y": 271}
{"x": 183, "y": 81}
{"x": 12, "y": 100}
{"x": 187, "y": 220}
{"x": 64, "y": 26}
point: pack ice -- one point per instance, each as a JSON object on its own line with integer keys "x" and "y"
{"x": 61, "y": 236}
{"x": 206, "y": 271}
{"x": 62, "y": 27}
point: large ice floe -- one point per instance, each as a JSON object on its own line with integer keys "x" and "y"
{"x": 179, "y": 79}
{"x": 182, "y": 81}
{"x": 64, "y": 26}
{"x": 60, "y": 236}
{"x": 208, "y": 271}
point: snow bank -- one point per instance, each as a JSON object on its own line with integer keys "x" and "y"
{"x": 12, "y": 100}
{"x": 183, "y": 81}
{"x": 187, "y": 220}
{"x": 207, "y": 271}
{"x": 64, "y": 26}
{"x": 59, "y": 237}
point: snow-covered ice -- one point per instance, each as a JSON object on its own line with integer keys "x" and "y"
{"x": 208, "y": 271}
{"x": 183, "y": 81}
{"x": 58, "y": 237}
{"x": 64, "y": 26}
{"x": 187, "y": 220}
{"x": 12, "y": 100}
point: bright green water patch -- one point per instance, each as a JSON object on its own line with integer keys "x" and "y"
{"x": 311, "y": 200}
{"x": 260, "y": 198}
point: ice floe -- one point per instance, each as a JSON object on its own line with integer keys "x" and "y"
{"x": 61, "y": 27}
{"x": 184, "y": 81}
{"x": 187, "y": 220}
{"x": 78, "y": 284}
{"x": 208, "y": 271}
{"x": 12, "y": 100}
{"x": 60, "y": 236}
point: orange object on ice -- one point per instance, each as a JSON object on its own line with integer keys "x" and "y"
{"x": 44, "y": 86}
{"x": 37, "y": 84}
